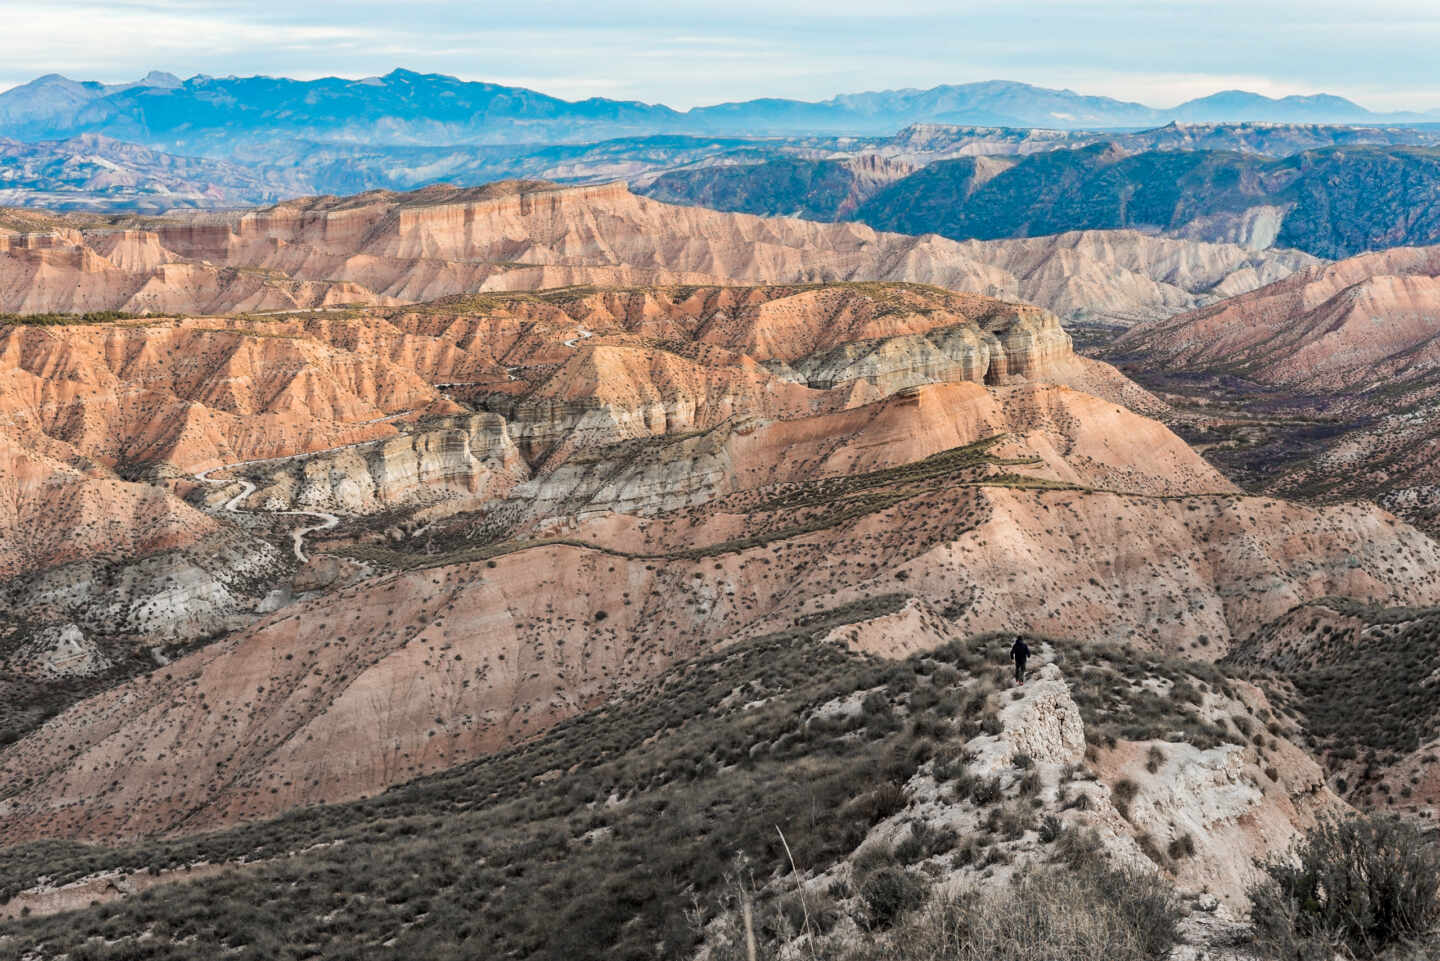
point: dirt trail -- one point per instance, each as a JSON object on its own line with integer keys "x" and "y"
{"x": 326, "y": 519}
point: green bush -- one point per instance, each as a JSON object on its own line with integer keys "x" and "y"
{"x": 1368, "y": 885}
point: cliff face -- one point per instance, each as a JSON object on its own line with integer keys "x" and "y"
{"x": 385, "y": 248}
{"x": 468, "y": 457}
{"x": 1024, "y": 344}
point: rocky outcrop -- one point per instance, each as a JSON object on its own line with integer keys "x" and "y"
{"x": 1221, "y": 807}
{"x": 469, "y": 457}
{"x": 1026, "y": 344}
{"x": 1042, "y": 723}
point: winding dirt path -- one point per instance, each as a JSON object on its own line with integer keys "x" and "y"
{"x": 583, "y": 335}
{"x": 326, "y": 519}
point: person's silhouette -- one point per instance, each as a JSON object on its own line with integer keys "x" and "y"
{"x": 1019, "y": 653}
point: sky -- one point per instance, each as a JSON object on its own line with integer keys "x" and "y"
{"x": 1380, "y": 53}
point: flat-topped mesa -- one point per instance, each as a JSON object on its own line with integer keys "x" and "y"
{"x": 437, "y": 223}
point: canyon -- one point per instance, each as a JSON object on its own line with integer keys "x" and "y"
{"x": 1329, "y": 373}
{"x": 472, "y": 529}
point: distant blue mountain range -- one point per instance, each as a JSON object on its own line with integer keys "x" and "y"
{"x": 216, "y": 116}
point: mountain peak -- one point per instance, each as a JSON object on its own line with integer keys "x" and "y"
{"x": 159, "y": 78}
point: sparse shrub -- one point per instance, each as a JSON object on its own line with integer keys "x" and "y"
{"x": 924, "y": 841}
{"x": 949, "y": 765}
{"x": 1151, "y": 850}
{"x": 1154, "y": 759}
{"x": 879, "y": 804}
{"x": 1181, "y": 847}
{"x": 1365, "y": 884}
{"x": 875, "y": 703}
{"x": 1010, "y": 821}
{"x": 889, "y": 893}
{"x": 1055, "y": 914}
{"x": 1123, "y": 793}
{"x": 1050, "y": 828}
{"x": 986, "y": 791}
{"x": 872, "y": 858}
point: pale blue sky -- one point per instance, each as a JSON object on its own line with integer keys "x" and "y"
{"x": 1381, "y": 53}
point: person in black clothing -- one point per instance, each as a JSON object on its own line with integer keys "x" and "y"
{"x": 1019, "y": 653}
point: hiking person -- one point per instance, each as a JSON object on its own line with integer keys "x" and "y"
{"x": 1019, "y": 653}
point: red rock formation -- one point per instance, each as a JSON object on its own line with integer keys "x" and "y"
{"x": 379, "y": 248}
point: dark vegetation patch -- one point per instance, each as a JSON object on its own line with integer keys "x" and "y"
{"x": 1368, "y": 886}
{"x": 56, "y": 320}
{"x": 1361, "y": 684}
{"x": 1340, "y": 200}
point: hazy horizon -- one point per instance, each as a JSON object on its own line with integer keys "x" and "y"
{"x": 838, "y": 93}
{"x": 683, "y": 54}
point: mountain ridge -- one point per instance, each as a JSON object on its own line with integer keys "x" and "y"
{"x": 405, "y": 106}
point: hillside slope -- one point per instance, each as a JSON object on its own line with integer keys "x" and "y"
{"x": 573, "y": 844}
{"x": 581, "y": 596}
{"x": 1330, "y": 202}
{"x": 1348, "y": 353}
